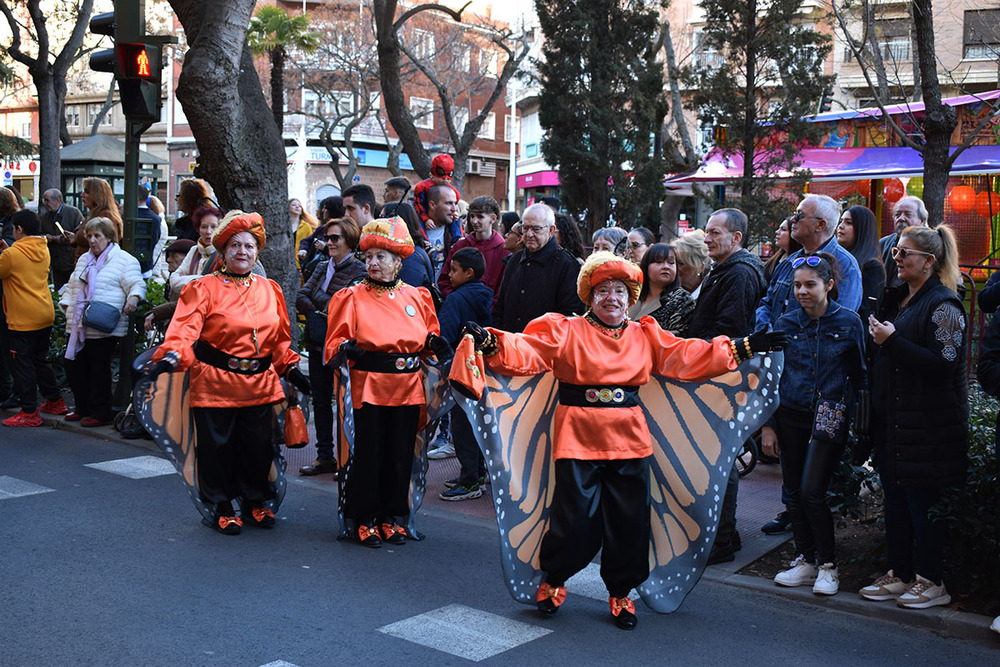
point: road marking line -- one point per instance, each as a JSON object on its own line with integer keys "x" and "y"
{"x": 465, "y": 632}
{"x": 11, "y": 487}
{"x": 588, "y": 583}
{"x": 280, "y": 663}
{"x": 139, "y": 467}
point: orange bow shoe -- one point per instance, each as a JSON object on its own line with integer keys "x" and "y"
{"x": 549, "y": 598}
{"x": 623, "y": 611}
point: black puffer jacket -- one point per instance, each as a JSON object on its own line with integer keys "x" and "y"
{"x": 729, "y": 297}
{"x": 920, "y": 401}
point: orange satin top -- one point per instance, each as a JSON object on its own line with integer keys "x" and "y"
{"x": 395, "y": 321}
{"x": 224, "y": 313}
{"x": 580, "y": 353}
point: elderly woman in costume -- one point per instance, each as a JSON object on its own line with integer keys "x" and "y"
{"x": 383, "y": 326}
{"x": 601, "y": 442}
{"x": 231, "y": 330}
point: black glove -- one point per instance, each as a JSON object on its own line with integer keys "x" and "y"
{"x": 351, "y": 350}
{"x": 158, "y": 369}
{"x": 765, "y": 341}
{"x": 441, "y": 348}
{"x": 479, "y": 334}
{"x": 298, "y": 380}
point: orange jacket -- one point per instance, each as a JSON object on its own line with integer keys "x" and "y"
{"x": 396, "y": 322}
{"x": 213, "y": 309}
{"x": 578, "y": 352}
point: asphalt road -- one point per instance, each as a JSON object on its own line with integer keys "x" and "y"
{"x": 97, "y": 568}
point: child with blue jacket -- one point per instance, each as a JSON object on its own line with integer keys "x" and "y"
{"x": 469, "y": 301}
{"x": 824, "y": 370}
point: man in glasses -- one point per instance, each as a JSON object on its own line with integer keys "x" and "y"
{"x": 55, "y": 214}
{"x": 539, "y": 279}
{"x": 814, "y": 225}
{"x": 725, "y": 307}
{"x": 907, "y": 212}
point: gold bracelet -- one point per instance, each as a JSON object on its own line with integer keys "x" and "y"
{"x": 736, "y": 354}
{"x": 746, "y": 344}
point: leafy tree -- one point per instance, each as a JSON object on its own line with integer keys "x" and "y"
{"x": 602, "y": 101}
{"x": 273, "y": 32}
{"x": 758, "y": 76}
{"x": 47, "y": 69}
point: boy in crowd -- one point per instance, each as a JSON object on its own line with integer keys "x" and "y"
{"x": 469, "y": 301}
{"x": 483, "y": 215}
{"x": 27, "y": 303}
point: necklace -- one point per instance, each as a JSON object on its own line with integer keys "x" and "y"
{"x": 383, "y": 288}
{"x": 613, "y": 332}
{"x": 238, "y": 282}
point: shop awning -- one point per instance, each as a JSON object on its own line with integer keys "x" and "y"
{"x": 848, "y": 164}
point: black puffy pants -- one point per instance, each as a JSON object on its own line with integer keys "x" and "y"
{"x": 235, "y": 451}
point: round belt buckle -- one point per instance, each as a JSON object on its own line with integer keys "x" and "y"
{"x": 591, "y": 396}
{"x": 411, "y": 363}
{"x": 618, "y": 395}
{"x": 605, "y": 395}
{"x": 244, "y": 365}
{"x": 254, "y": 365}
{"x": 400, "y": 364}
{"x": 233, "y": 363}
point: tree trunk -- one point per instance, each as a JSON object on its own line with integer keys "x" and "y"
{"x": 940, "y": 120}
{"x": 389, "y": 55}
{"x": 50, "y": 111}
{"x": 278, "y": 87}
{"x": 240, "y": 150}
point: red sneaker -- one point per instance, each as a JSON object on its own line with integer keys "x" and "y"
{"x": 93, "y": 421}
{"x": 73, "y": 417}
{"x": 57, "y": 407}
{"x": 23, "y": 418}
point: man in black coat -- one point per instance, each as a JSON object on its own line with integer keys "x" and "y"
{"x": 726, "y": 307}
{"x": 56, "y": 213}
{"x": 539, "y": 279}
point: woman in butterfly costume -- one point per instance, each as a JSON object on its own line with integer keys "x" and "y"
{"x": 594, "y": 489}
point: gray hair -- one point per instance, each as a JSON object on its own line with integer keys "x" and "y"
{"x": 921, "y": 207}
{"x": 827, "y": 208}
{"x": 613, "y": 234}
{"x": 541, "y": 209}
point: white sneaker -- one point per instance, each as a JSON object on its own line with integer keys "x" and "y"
{"x": 923, "y": 594}
{"x": 886, "y": 587}
{"x": 995, "y": 626}
{"x": 827, "y": 580}
{"x": 800, "y": 573}
{"x": 445, "y": 450}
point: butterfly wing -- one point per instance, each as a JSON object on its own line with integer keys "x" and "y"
{"x": 697, "y": 430}
{"x": 512, "y": 422}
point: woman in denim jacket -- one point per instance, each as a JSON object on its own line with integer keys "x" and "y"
{"x": 824, "y": 360}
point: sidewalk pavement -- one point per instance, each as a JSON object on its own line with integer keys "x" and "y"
{"x": 759, "y": 502}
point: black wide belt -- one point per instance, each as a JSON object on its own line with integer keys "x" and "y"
{"x": 388, "y": 362}
{"x": 213, "y": 356}
{"x": 599, "y": 396}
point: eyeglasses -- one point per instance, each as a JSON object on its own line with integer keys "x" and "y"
{"x": 635, "y": 245}
{"x": 798, "y": 217}
{"x": 513, "y": 231}
{"x": 533, "y": 229}
{"x": 811, "y": 260}
{"x": 900, "y": 251}
{"x": 333, "y": 238}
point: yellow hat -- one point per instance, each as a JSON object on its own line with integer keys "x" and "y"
{"x": 235, "y": 222}
{"x": 389, "y": 234}
{"x": 603, "y": 266}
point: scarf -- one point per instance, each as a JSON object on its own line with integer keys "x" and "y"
{"x": 331, "y": 268}
{"x": 88, "y": 276}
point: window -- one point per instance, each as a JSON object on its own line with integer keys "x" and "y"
{"x": 981, "y": 38}
{"x": 530, "y": 150}
{"x": 460, "y": 117}
{"x": 488, "y": 62}
{"x": 92, "y": 112}
{"x": 423, "y": 44}
{"x": 72, "y": 116}
{"x": 422, "y": 111}
{"x": 488, "y": 130}
{"x": 510, "y": 130}
{"x": 24, "y": 129}
{"x": 705, "y": 54}
{"x": 463, "y": 59}
{"x": 893, "y": 37}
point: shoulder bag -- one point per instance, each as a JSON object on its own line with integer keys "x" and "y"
{"x": 101, "y": 316}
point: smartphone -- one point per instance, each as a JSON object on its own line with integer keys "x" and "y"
{"x": 60, "y": 228}
{"x": 873, "y": 305}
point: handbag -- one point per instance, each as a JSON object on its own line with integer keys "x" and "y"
{"x": 101, "y": 316}
{"x": 296, "y": 433}
{"x": 830, "y": 422}
{"x": 316, "y": 328}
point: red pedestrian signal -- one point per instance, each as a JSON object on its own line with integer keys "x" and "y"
{"x": 138, "y": 61}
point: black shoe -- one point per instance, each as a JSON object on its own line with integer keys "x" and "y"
{"x": 725, "y": 552}
{"x": 781, "y": 524}
{"x": 10, "y": 403}
{"x": 368, "y": 536}
{"x": 318, "y": 467}
{"x": 622, "y": 610}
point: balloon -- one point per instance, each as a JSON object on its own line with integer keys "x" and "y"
{"x": 915, "y": 188}
{"x": 962, "y": 199}
{"x": 865, "y": 188}
{"x": 987, "y": 203}
{"x": 893, "y": 190}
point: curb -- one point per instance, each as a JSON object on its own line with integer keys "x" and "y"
{"x": 939, "y": 620}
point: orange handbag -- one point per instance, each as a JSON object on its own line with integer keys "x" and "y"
{"x": 296, "y": 433}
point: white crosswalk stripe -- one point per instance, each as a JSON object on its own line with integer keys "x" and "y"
{"x": 280, "y": 663}
{"x": 139, "y": 467}
{"x": 588, "y": 583}
{"x": 11, "y": 487}
{"x": 465, "y": 632}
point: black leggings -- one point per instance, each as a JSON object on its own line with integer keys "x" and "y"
{"x": 378, "y": 480}
{"x": 807, "y": 467}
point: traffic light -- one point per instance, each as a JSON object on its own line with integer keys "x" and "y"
{"x": 826, "y": 103}
{"x": 105, "y": 60}
{"x": 139, "y": 69}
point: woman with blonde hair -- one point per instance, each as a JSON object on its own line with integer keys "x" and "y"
{"x": 920, "y": 412}
{"x": 99, "y": 201}
{"x": 692, "y": 260}
{"x": 302, "y": 225}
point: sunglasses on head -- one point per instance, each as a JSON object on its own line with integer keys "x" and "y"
{"x": 812, "y": 260}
